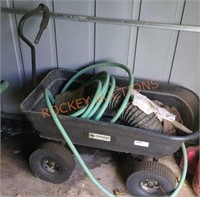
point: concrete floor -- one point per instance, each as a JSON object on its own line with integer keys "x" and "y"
{"x": 109, "y": 168}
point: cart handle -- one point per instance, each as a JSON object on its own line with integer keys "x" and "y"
{"x": 43, "y": 25}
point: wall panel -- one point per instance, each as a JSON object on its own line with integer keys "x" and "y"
{"x": 186, "y": 67}
{"x": 155, "y": 47}
{"x": 11, "y": 63}
{"x": 113, "y": 41}
{"x": 75, "y": 41}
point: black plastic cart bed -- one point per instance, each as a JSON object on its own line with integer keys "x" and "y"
{"x": 106, "y": 135}
{"x": 117, "y": 137}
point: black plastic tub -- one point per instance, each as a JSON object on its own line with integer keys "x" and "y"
{"x": 112, "y": 136}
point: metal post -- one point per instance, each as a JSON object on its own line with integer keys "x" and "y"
{"x": 113, "y": 21}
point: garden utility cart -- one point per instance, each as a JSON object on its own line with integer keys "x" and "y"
{"x": 93, "y": 125}
{"x": 109, "y": 136}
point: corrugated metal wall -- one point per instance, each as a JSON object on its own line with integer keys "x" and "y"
{"x": 154, "y": 54}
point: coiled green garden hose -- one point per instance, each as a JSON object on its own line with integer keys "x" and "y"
{"x": 103, "y": 89}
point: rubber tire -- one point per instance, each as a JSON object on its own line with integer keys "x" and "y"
{"x": 58, "y": 153}
{"x": 151, "y": 170}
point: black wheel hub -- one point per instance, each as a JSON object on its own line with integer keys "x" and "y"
{"x": 150, "y": 185}
{"x": 50, "y": 165}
